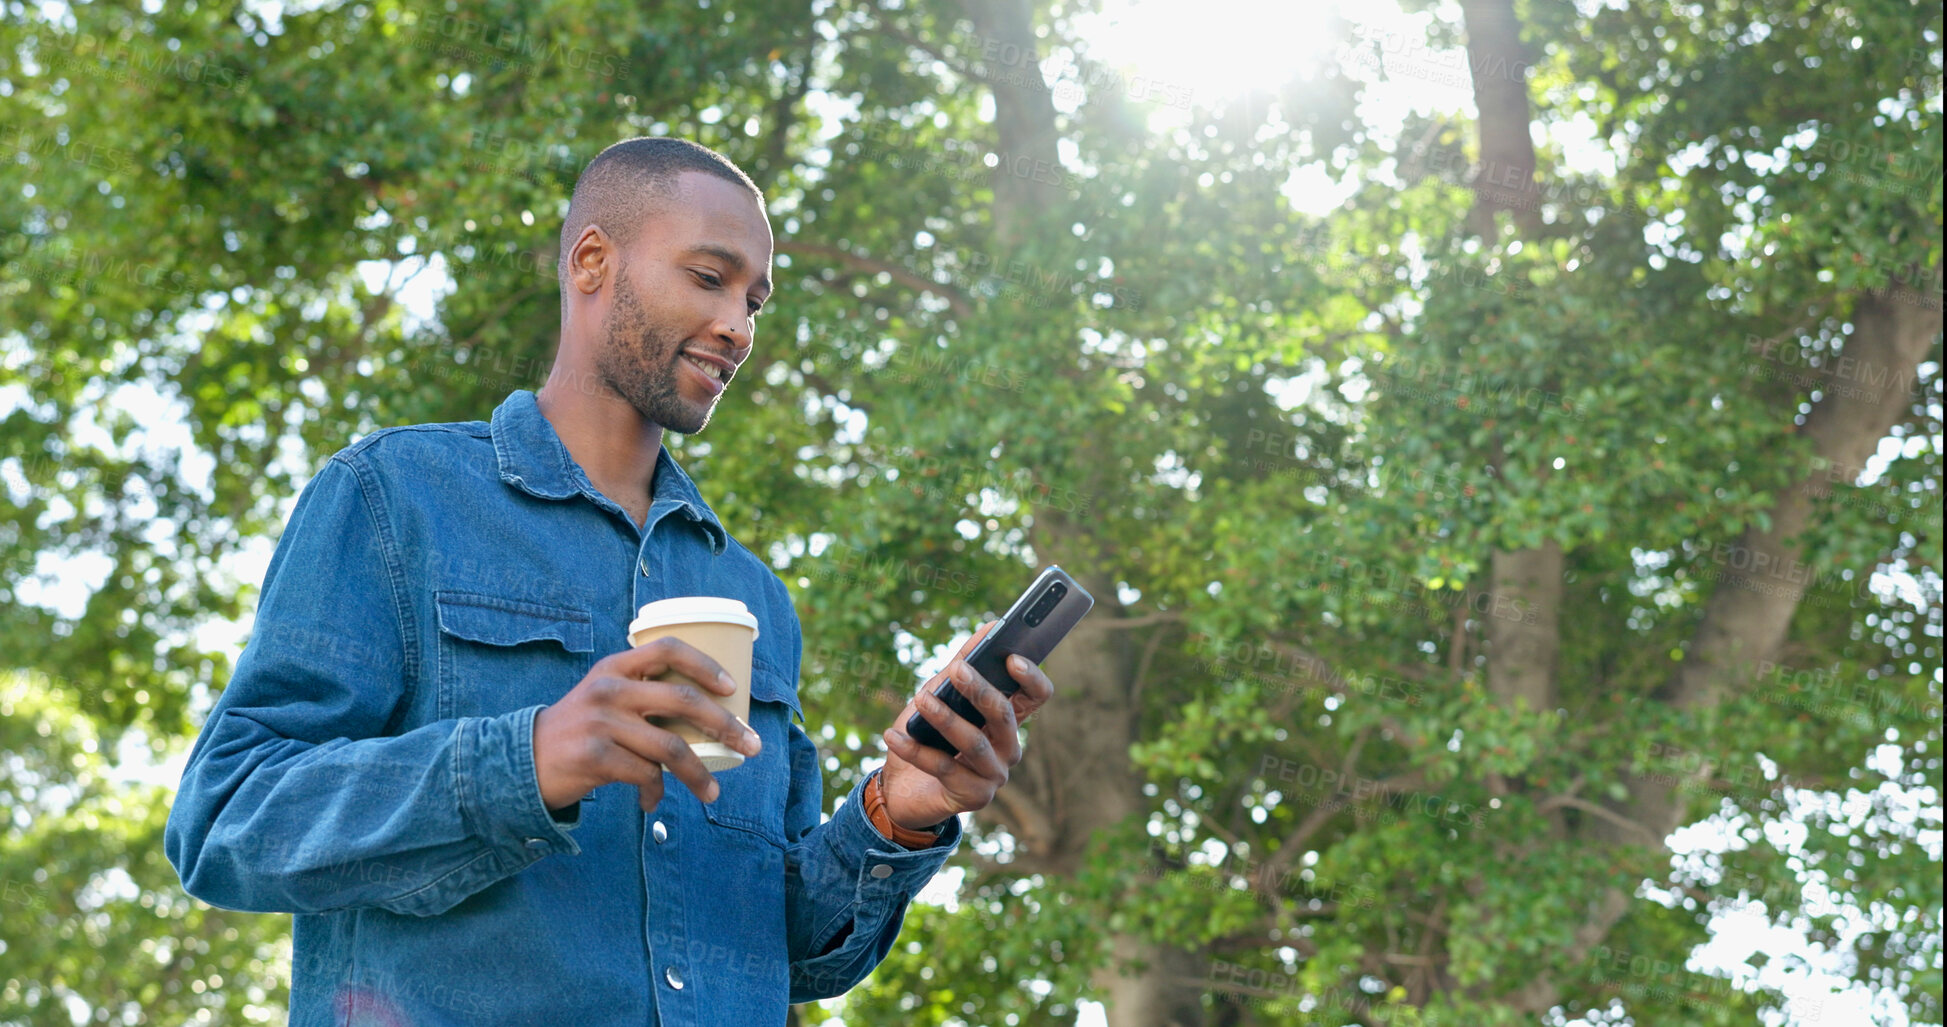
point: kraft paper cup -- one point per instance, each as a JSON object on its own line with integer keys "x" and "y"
{"x": 725, "y": 630}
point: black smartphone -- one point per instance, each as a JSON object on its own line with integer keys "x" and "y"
{"x": 1032, "y": 627}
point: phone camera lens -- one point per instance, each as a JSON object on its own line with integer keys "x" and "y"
{"x": 1039, "y": 611}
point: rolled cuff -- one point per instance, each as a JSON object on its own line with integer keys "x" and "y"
{"x": 500, "y": 793}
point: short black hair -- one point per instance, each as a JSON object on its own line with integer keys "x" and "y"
{"x": 625, "y": 183}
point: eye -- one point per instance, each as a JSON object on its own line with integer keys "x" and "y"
{"x": 756, "y": 308}
{"x": 708, "y": 279}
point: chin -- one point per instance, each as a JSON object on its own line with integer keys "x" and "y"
{"x": 688, "y": 427}
{"x": 657, "y": 402}
{"x": 677, "y": 416}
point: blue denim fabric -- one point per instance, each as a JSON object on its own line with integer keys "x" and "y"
{"x": 370, "y": 767}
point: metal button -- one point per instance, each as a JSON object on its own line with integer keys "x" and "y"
{"x": 674, "y": 977}
{"x": 644, "y": 564}
{"x": 659, "y": 832}
{"x": 536, "y": 843}
{"x": 882, "y": 871}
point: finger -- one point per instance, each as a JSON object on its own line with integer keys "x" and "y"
{"x": 640, "y": 699}
{"x": 930, "y": 761}
{"x": 654, "y": 659}
{"x": 976, "y": 749}
{"x": 620, "y": 763}
{"x": 708, "y": 716}
{"x": 941, "y": 675}
{"x": 1035, "y": 689}
{"x": 933, "y": 683}
{"x": 1001, "y": 724}
{"x": 670, "y": 751}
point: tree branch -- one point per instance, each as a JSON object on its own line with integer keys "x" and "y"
{"x": 1142, "y": 668}
{"x": 1144, "y": 620}
{"x": 881, "y": 24}
{"x": 1555, "y": 802}
{"x": 1745, "y": 622}
{"x": 957, "y": 300}
{"x": 1026, "y": 820}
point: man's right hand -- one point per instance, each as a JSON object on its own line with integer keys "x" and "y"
{"x": 599, "y": 732}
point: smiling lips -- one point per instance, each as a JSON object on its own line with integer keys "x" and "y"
{"x": 714, "y": 369}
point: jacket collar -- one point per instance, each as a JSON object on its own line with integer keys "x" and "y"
{"x": 533, "y": 458}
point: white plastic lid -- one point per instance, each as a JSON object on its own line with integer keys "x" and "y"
{"x": 691, "y": 609}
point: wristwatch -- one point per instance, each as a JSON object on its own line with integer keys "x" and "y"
{"x": 875, "y": 811}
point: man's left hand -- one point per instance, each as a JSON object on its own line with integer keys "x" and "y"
{"x": 924, "y": 786}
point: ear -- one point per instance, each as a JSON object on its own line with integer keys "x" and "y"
{"x": 592, "y": 260}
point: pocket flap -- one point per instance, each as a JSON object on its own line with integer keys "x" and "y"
{"x": 495, "y": 620}
{"x": 767, "y": 684}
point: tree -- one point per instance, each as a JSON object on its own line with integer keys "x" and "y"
{"x": 1452, "y": 551}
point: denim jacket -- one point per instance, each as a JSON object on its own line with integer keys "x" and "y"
{"x": 370, "y": 767}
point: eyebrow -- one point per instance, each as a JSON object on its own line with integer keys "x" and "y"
{"x": 734, "y": 259}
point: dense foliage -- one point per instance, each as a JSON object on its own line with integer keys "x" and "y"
{"x": 1333, "y": 747}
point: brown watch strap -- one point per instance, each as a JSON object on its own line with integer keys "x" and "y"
{"x": 875, "y": 811}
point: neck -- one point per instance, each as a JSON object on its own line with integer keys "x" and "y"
{"x": 615, "y": 446}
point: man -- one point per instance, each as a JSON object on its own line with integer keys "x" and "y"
{"x": 421, "y": 756}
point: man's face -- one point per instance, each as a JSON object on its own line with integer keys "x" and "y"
{"x": 683, "y": 316}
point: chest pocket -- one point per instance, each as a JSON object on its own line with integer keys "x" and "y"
{"x": 754, "y": 792}
{"x": 498, "y": 654}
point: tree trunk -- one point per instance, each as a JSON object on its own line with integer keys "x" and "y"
{"x": 1157, "y": 995}
{"x": 1741, "y": 625}
{"x": 1075, "y": 776}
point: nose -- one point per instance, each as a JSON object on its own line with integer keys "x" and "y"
{"x": 735, "y": 335}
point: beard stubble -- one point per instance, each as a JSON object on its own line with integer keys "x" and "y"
{"x": 637, "y": 359}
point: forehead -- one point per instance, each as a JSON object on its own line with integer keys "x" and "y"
{"x": 706, "y": 210}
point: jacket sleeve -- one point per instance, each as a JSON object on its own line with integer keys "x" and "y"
{"x": 846, "y": 885}
{"x": 295, "y": 799}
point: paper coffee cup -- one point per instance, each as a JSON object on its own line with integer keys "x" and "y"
{"x": 725, "y": 630}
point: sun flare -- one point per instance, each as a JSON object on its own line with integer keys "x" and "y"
{"x": 1211, "y": 50}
